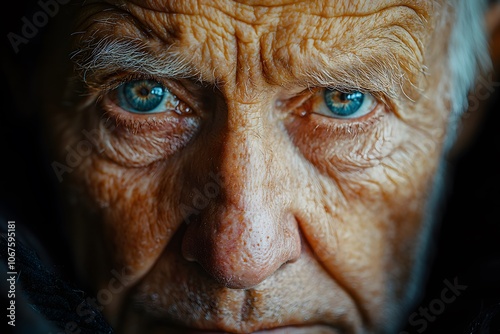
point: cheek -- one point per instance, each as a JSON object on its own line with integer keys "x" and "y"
{"x": 134, "y": 211}
{"x": 141, "y": 207}
{"x": 368, "y": 202}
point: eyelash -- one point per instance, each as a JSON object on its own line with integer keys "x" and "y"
{"x": 129, "y": 120}
{"x": 301, "y": 108}
{"x": 353, "y": 128}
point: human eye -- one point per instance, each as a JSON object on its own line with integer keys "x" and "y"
{"x": 139, "y": 102}
{"x": 339, "y": 112}
{"x": 342, "y": 104}
{"x": 144, "y": 97}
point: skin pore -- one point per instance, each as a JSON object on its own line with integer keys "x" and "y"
{"x": 246, "y": 205}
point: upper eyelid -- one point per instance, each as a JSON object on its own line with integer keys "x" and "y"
{"x": 108, "y": 84}
{"x": 310, "y": 92}
{"x": 176, "y": 88}
{"x": 380, "y": 97}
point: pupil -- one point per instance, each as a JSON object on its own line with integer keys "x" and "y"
{"x": 144, "y": 92}
{"x": 343, "y": 98}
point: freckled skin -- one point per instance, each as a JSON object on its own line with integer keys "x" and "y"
{"x": 313, "y": 220}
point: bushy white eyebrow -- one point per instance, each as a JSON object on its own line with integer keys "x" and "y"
{"x": 376, "y": 73}
{"x": 111, "y": 54}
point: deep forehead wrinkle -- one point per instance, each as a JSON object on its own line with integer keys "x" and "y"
{"x": 324, "y": 8}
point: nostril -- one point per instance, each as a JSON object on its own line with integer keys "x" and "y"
{"x": 240, "y": 250}
{"x": 189, "y": 246}
{"x": 188, "y": 256}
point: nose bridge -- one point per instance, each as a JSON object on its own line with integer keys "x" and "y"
{"x": 248, "y": 234}
{"x": 246, "y": 156}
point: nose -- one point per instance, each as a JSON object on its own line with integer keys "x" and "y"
{"x": 248, "y": 232}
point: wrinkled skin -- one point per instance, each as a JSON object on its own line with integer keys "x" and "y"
{"x": 307, "y": 219}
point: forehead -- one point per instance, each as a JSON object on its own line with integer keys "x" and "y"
{"x": 264, "y": 16}
{"x": 284, "y": 39}
{"x": 261, "y": 11}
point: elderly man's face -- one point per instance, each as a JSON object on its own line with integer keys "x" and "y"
{"x": 255, "y": 164}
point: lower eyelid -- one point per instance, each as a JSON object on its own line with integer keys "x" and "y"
{"x": 342, "y": 127}
{"x": 160, "y": 137}
{"x": 112, "y": 109}
{"x": 138, "y": 120}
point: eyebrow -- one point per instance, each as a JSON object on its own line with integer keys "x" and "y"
{"x": 380, "y": 72}
{"x": 99, "y": 59}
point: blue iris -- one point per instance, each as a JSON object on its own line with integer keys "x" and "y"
{"x": 343, "y": 104}
{"x": 141, "y": 96}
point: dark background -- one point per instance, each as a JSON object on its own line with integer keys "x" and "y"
{"x": 467, "y": 242}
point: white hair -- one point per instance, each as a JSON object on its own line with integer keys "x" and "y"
{"x": 468, "y": 56}
{"x": 113, "y": 54}
{"x": 467, "y": 59}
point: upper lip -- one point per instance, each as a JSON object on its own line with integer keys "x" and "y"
{"x": 319, "y": 324}
{"x": 310, "y": 329}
